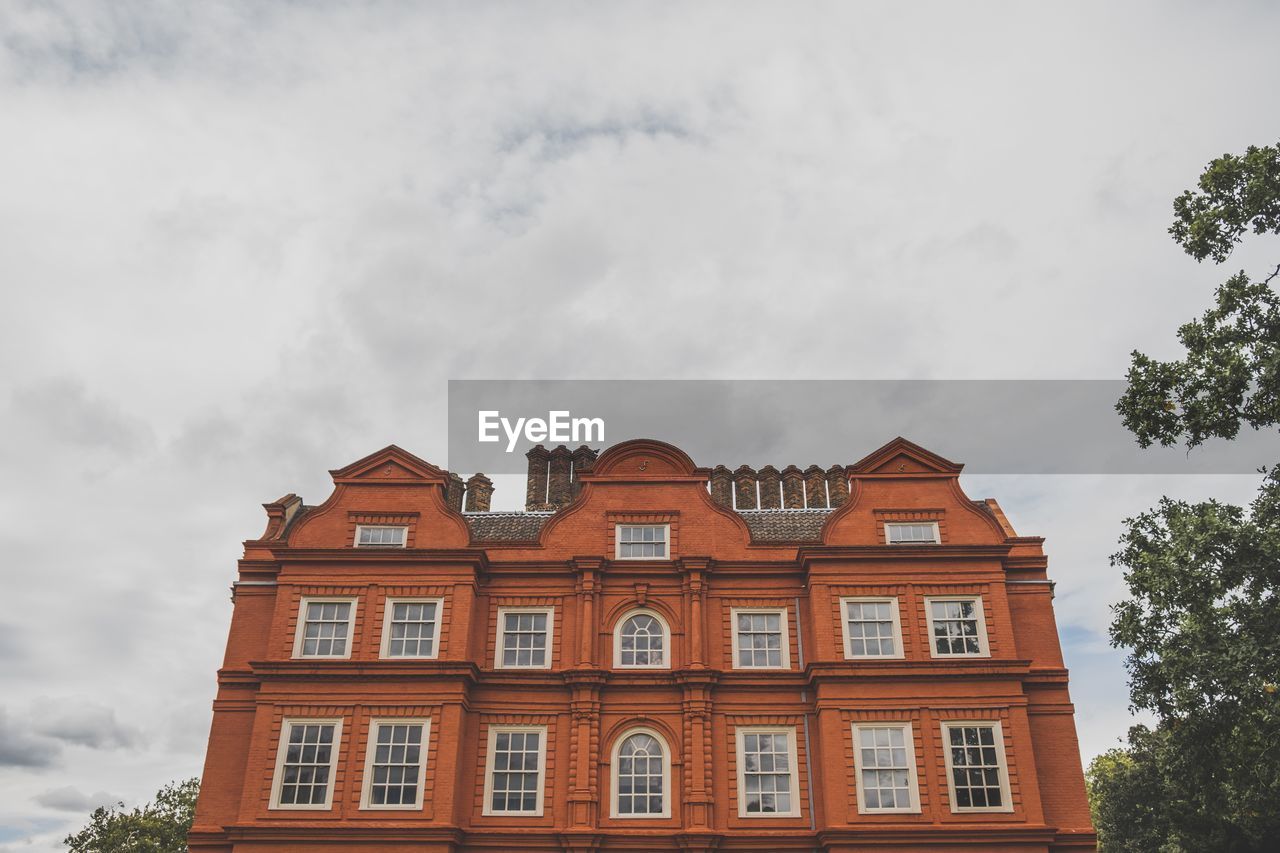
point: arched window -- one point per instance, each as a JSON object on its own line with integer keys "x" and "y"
{"x": 641, "y": 776}
{"x": 641, "y": 641}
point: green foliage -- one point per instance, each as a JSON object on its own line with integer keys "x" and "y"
{"x": 1202, "y": 619}
{"x": 158, "y": 827}
{"x": 1235, "y": 194}
{"x": 1203, "y": 623}
{"x": 1230, "y": 376}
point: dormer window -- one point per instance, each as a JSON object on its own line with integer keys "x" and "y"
{"x": 916, "y": 533}
{"x": 642, "y": 542}
{"x": 380, "y": 536}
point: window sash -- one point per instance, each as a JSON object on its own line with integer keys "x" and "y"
{"x": 642, "y": 640}
{"x": 641, "y": 772}
{"x": 885, "y": 768}
{"x": 768, "y": 773}
{"x": 524, "y": 638}
{"x": 411, "y": 628}
{"x": 514, "y": 775}
{"x": 395, "y": 768}
{"x": 381, "y": 536}
{"x": 760, "y": 639}
{"x": 306, "y": 762}
{"x": 957, "y": 627}
{"x": 911, "y": 533}
{"x": 977, "y": 773}
{"x": 642, "y": 541}
{"x": 871, "y": 628}
{"x": 325, "y": 628}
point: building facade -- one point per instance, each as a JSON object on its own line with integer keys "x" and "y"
{"x": 652, "y": 657}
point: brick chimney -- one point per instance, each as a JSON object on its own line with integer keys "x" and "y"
{"x": 722, "y": 486}
{"x": 479, "y": 492}
{"x": 535, "y": 496}
{"x": 838, "y": 485}
{"x": 792, "y": 488}
{"x": 560, "y": 477}
{"x": 453, "y": 492}
{"x": 584, "y": 459}
{"x": 744, "y": 478}
{"x": 770, "y": 488}
{"x": 815, "y": 487}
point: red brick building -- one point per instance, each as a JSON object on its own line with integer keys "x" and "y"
{"x": 653, "y": 657}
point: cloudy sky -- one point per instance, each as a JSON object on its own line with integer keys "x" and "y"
{"x": 241, "y": 244}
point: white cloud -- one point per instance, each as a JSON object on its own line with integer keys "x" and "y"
{"x": 241, "y": 244}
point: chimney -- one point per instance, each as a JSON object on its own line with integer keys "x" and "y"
{"x": 560, "y": 480}
{"x": 453, "y": 492}
{"x": 479, "y": 491}
{"x": 584, "y": 458}
{"x": 838, "y": 485}
{"x": 792, "y": 488}
{"x": 815, "y": 487}
{"x": 770, "y": 488}
{"x": 745, "y": 480}
{"x": 535, "y": 496}
{"x": 722, "y": 486}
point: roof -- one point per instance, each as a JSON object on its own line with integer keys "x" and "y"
{"x": 766, "y": 525}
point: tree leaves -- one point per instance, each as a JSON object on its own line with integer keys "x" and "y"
{"x": 1235, "y": 194}
{"x": 158, "y": 827}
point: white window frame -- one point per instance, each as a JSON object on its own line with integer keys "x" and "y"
{"x": 384, "y": 650}
{"x": 913, "y": 783}
{"x": 784, "y": 626}
{"x": 617, "y": 640}
{"x": 666, "y": 775}
{"x": 937, "y": 534}
{"x": 1002, "y": 770}
{"x": 299, "y": 635}
{"x": 277, "y": 779}
{"x": 984, "y": 649}
{"x": 494, "y": 731}
{"x": 366, "y": 789}
{"x": 793, "y": 756}
{"x": 502, "y": 630}
{"x": 617, "y": 541}
{"x": 404, "y": 540}
{"x": 894, "y": 613}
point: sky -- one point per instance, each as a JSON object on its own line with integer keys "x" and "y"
{"x": 242, "y": 244}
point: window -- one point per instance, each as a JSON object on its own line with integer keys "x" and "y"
{"x": 760, "y": 639}
{"x": 871, "y": 628}
{"x": 885, "y": 767}
{"x": 768, "y": 781}
{"x": 524, "y": 638}
{"x": 305, "y": 764}
{"x": 324, "y": 628}
{"x": 412, "y": 628}
{"x": 395, "y": 767}
{"x": 380, "y": 536}
{"x": 912, "y": 534}
{"x": 641, "y": 776}
{"x": 641, "y": 642}
{"x": 957, "y": 627}
{"x": 642, "y": 541}
{"x": 976, "y": 775}
{"x": 513, "y": 778}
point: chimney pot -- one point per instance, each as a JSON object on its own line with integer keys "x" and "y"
{"x": 535, "y": 496}
{"x": 560, "y": 478}
{"x": 792, "y": 488}
{"x": 770, "y": 488}
{"x": 744, "y": 479}
{"x": 815, "y": 487}
{"x": 453, "y": 492}
{"x": 838, "y": 485}
{"x": 722, "y": 486}
{"x": 479, "y": 493}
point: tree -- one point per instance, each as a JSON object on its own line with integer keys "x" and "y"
{"x": 157, "y": 827}
{"x": 1202, "y": 621}
{"x": 1231, "y": 375}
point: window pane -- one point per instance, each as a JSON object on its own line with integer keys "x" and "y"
{"x": 326, "y": 625}
{"x": 870, "y": 628}
{"x": 642, "y": 542}
{"x": 524, "y": 639}
{"x": 975, "y": 767}
{"x": 641, "y": 641}
{"x": 515, "y": 786}
{"x": 759, "y": 639}
{"x": 386, "y": 537}
{"x": 885, "y": 776}
{"x": 305, "y": 773}
{"x": 955, "y": 627}
{"x": 639, "y": 776}
{"x": 766, "y": 773}
{"x": 926, "y": 532}
{"x": 396, "y": 764}
{"x": 413, "y": 629}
